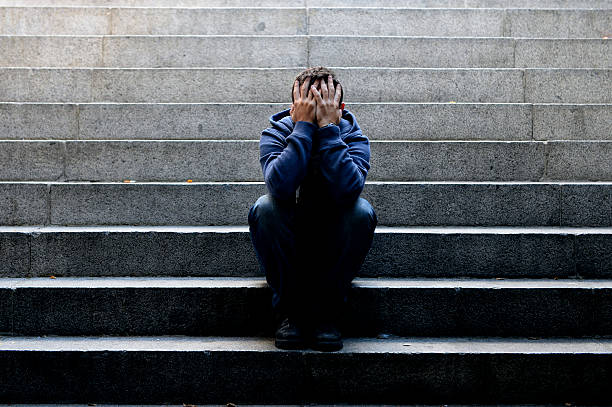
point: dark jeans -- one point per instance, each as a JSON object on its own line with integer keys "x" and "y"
{"x": 310, "y": 255}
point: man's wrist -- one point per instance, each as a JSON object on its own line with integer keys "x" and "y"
{"x": 327, "y": 125}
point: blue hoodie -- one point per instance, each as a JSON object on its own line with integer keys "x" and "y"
{"x": 329, "y": 165}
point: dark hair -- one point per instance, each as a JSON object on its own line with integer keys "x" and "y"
{"x": 317, "y": 72}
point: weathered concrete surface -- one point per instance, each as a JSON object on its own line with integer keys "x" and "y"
{"x": 258, "y": 85}
{"x": 403, "y": 121}
{"x": 226, "y": 161}
{"x": 54, "y": 20}
{"x": 443, "y": 121}
{"x": 559, "y": 23}
{"x": 460, "y": 52}
{"x": 484, "y": 253}
{"x": 592, "y": 253}
{"x": 45, "y": 85}
{"x": 238, "y": 51}
{"x": 410, "y": 22}
{"x": 400, "y": 371}
{"x": 568, "y": 85}
{"x": 163, "y": 160}
{"x": 277, "y": 21}
{"x": 15, "y": 254}
{"x": 411, "y": 52}
{"x": 176, "y": 310}
{"x": 367, "y": 85}
{"x": 405, "y": 307}
{"x": 31, "y": 160}
{"x": 193, "y": 85}
{"x": 432, "y": 85}
{"x": 228, "y": 252}
{"x": 6, "y": 312}
{"x": 146, "y": 21}
{"x": 449, "y": 204}
{"x": 152, "y": 204}
{"x": 38, "y": 121}
{"x": 396, "y": 204}
{"x": 172, "y": 3}
{"x": 263, "y": 51}
{"x": 216, "y": 121}
{"x": 565, "y": 53}
{"x": 577, "y": 122}
{"x": 569, "y": 4}
{"x": 44, "y": 51}
{"x": 439, "y": 22}
{"x": 531, "y": 23}
{"x": 174, "y": 252}
{"x": 23, "y": 204}
{"x": 269, "y": 85}
{"x": 586, "y": 204}
{"x": 579, "y": 161}
{"x": 458, "y": 161}
{"x": 153, "y": 51}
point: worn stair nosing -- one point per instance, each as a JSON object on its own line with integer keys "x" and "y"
{"x": 14, "y": 283}
{"x": 404, "y": 345}
{"x": 434, "y": 230}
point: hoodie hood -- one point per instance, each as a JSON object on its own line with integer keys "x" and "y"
{"x": 282, "y": 122}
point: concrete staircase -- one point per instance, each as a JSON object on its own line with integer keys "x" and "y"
{"x": 490, "y": 276}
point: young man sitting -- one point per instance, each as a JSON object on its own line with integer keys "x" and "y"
{"x": 311, "y": 248}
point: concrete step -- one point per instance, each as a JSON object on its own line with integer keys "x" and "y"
{"x": 208, "y": 251}
{"x": 262, "y": 51}
{"x": 221, "y": 306}
{"x": 532, "y": 23}
{"x": 402, "y": 121}
{"x": 238, "y": 160}
{"x": 211, "y": 405}
{"x": 570, "y": 4}
{"x": 396, "y": 203}
{"x": 271, "y": 85}
{"x": 400, "y": 371}
{"x": 103, "y": 20}
{"x": 466, "y": 22}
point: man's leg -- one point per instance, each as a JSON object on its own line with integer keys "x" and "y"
{"x": 272, "y": 229}
{"x": 347, "y": 237}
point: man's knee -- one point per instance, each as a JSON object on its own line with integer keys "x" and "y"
{"x": 262, "y": 208}
{"x": 362, "y": 213}
{"x": 266, "y": 210}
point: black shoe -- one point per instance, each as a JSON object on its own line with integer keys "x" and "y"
{"x": 290, "y": 335}
{"x": 326, "y": 337}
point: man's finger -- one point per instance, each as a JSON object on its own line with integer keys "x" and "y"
{"x": 324, "y": 92}
{"x": 337, "y": 95}
{"x": 304, "y": 93}
{"x": 316, "y": 94}
{"x": 330, "y": 86}
{"x": 296, "y": 90}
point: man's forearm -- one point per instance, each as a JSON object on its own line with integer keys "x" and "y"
{"x": 284, "y": 168}
{"x": 344, "y": 167}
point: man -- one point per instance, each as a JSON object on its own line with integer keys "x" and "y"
{"x": 312, "y": 248}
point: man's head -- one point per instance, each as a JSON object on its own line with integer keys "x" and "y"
{"x": 321, "y": 73}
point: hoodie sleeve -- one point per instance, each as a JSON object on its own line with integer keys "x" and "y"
{"x": 344, "y": 163}
{"x": 284, "y": 162}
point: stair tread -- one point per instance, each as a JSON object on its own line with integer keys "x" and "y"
{"x": 260, "y": 282}
{"x": 510, "y": 230}
{"x": 427, "y": 345}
